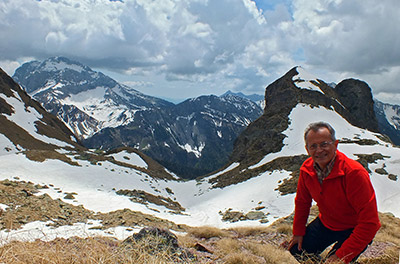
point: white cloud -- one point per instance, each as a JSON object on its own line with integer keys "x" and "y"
{"x": 253, "y": 9}
{"x": 356, "y": 36}
{"x": 204, "y": 46}
{"x": 9, "y": 66}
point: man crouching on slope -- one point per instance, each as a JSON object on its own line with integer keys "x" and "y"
{"x": 342, "y": 189}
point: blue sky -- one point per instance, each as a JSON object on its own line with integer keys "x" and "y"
{"x": 271, "y": 4}
{"x": 185, "y": 48}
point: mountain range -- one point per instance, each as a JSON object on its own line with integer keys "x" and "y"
{"x": 255, "y": 187}
{"x": 192, "y": 138}
{"x": 65, "y": 190}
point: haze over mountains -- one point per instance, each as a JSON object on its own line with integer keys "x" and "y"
{"x": 258, "y": 182}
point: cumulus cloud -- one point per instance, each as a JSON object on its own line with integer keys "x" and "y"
{"x": 355, "y": 36}
{"x": 209, "y": 45}
{"x": 352, "y": 38}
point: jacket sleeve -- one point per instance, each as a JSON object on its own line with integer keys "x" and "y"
{"x": 303, "y": 202}
{"x": 361, "y": 196}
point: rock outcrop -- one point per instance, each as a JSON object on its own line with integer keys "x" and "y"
{"x": 351, "y": 98}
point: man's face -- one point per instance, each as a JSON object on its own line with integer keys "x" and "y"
{"x": 320, "y": 147}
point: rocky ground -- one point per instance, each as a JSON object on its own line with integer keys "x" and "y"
{"x": 22, "y": 204}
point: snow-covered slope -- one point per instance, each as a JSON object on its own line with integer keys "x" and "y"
{"x": 96, "y": 183}
{"x": 25, "y": 125}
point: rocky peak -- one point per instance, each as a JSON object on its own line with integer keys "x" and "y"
{"x": 356, "y": 97}
{"x": 61, "y": 74}
{"x": 352, "y": 99}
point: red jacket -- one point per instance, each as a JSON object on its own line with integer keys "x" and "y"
{"x": 345, "y": 199}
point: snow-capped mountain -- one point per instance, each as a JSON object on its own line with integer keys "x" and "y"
{"x": 257, "y": 98}
{"x": 259, "y": 187}
{"x": 192, "y": 138}
{"x": 388, "y": 116}
{"x": 85, "y": 100}
{"x": 28, "y": 130}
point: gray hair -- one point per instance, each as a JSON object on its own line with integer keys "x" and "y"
{"x": 316, "y": 126}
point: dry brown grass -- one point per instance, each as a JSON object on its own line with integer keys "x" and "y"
{"x": 235, "y": 245}
{"x": 59, "y": 251}
{"x": 284, "y": 228}
{"x": 270, "y": 253}
{"x": 250, "y": 231}
{"x": 241, "y": 258}
{"x": 391, "y": 256}
{"x": 390, "y": 229}
{"x": 226, "y": 246}
{"x": 83, "y": 251}
{"x": 244, "y": 251}
{"x": 207, "y": 232}
{"x": 387, "y": 240}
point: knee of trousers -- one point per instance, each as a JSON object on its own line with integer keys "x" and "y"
{"x": 295, "y": 250}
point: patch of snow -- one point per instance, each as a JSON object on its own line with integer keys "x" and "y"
{"x": 188, "y": 118}
{"x": 6, "y": 146}
{"x": 60, "y": 65}
{"x": 392, "y": 116}
{"x": 304, "y": 80}
{"x": 26, "y": 118}
{"x": 40, "y": 230}
{"x": 51, "y": 84}
{"x": 105, "y": 111}
{"x": 231, "y": 167}
{"x": 217, "y": 123}
{"x": 131, "y": 158}
{"x": 88, "y": 97}
{"x": 196, "y": 150}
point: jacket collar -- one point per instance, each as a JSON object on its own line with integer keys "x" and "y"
{"x": 337, "y": 170}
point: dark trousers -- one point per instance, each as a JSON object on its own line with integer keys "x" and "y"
{"x": 317, "y": 239}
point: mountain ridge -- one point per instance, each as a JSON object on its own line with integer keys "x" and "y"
{"x": 71, "y": 91}
{"x": 159, "y": 129}
{"x": 45, "y": 126}
{"x": 195, "y": 134}
{"x": 191, "y": 138}
{"x": 253, "y": 97}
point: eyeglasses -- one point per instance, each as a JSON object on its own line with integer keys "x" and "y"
{"x": 323, "y": 145}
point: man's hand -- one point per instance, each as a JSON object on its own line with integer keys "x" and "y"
{"x": 333, "y": 259}
{"x": 296, "y": 240}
